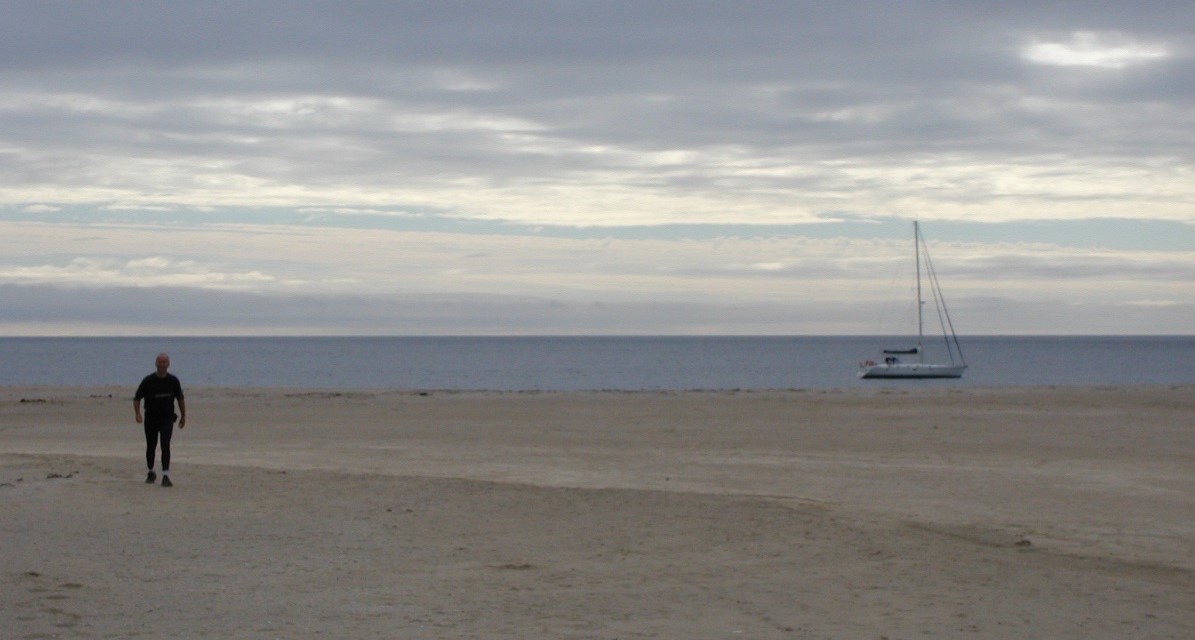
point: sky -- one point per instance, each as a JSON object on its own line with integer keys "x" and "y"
{"x": 584, "y": 167}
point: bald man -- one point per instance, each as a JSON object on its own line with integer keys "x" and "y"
{"x": 160, "y": 390}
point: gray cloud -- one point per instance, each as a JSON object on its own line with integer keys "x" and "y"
{"x": 49, "y": 310}
{"x": 677, "y": 122}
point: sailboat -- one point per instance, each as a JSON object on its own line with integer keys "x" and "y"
{"x": 909, "y": 362}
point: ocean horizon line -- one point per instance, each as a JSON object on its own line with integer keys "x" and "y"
{"x": 586, "y": 362}
{"x": 303, "y": 336}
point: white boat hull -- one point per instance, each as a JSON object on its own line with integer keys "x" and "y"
{"x": 912, "y": 370}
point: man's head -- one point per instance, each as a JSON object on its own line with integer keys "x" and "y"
{"x": 162, "y": 362}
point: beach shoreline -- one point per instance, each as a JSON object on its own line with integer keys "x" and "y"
{"x": 883, "y": 512}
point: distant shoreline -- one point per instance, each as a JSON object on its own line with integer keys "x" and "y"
{"x": 879, "y": 387}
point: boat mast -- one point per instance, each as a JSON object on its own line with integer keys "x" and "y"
{"x": 920, "y": 303}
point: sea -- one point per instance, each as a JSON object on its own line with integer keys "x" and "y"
{"x": 583, "y": 363}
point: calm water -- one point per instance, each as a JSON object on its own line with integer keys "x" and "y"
{"x": 580, "y": 363}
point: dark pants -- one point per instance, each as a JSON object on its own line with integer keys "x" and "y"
{"x": 156, "y": 430}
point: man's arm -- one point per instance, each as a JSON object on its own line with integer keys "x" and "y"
{"x": 182, "y": 413}
{"x": 137, "y": 409}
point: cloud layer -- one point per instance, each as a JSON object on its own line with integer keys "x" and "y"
{"x": 667, "y": 159}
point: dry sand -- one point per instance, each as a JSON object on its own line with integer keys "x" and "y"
{"x": 878, "y": 513}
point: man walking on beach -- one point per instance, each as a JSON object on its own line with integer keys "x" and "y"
{"x": 160, "y": 390}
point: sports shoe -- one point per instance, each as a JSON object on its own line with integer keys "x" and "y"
{"x": 149, "y": 479}
{"x": 166, "y": 481}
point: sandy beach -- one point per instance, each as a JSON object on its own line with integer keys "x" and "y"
{"x": 885, "y": 513}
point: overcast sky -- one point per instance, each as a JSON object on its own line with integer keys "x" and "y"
{"x": 611, "y": 167}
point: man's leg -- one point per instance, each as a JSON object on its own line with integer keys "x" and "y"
{"x": 166, "y": 430}
{"x": 151, "y": 445}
